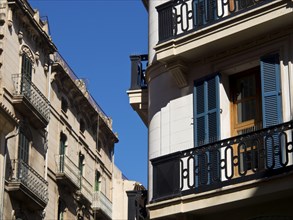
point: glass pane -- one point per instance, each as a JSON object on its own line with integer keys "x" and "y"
{"x": 246, "y": 111}
{"x": 245, "y": 87}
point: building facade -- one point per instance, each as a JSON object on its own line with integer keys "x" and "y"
{"x": 130, "y": 198}
{"x": 216, "y": 96}
{"x": 56, "y": 143}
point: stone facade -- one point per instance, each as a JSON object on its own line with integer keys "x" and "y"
{"x": 56, "y": 143}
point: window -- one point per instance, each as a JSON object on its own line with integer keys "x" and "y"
{"x": 81, "y": 163}
{"x": 24, "y": 142}
{"x": 97, "y": 181}
{"x": 23, "y": 148}
{"x": 99, "y": 145}
{"x": 26, "y": 66}
{"x": 25, "y": 138}
{"x": 256, "y": 104}
{"x": 246, "y": 114}
{"x": 81, "y": 126}
{"x": 64, "y": 105}
{"x": 62, "y": 150}
{"x": 26, "y": 75}
{"x": 246, "y": 99}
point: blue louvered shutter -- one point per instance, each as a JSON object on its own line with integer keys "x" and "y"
{"x": 271, "y": 90}
{"x": 206, "y": 111}
{"x": 271, "y": 105}
{"x": 206, "y": 129}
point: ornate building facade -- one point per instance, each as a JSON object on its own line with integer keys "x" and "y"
{"x": 56, "y": 143}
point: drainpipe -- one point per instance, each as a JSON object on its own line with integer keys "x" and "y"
{"x": 7, "y": 137}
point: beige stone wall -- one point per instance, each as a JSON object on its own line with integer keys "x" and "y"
{"x": 120, "y": 199}
{"x": 18, "y": 34}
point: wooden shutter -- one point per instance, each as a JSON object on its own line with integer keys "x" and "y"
{"x": 271, "y": 106}
{"x": 206, "y": 111}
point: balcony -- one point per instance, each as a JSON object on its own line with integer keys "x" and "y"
{"x": 67, "y": 173}
{"x": 102, "y": 204}
{"x": 86, "y": 191}
{"x": 26, "y": 185}
{"x": 29, "y": 100}
{"x": 138, "y": 93}
{"x": 192, "y": 29}
{"x": 254, "y": 162}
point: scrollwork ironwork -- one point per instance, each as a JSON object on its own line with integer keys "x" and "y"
{"x": 254, "y": 155}
{"x": 183, "y": 16}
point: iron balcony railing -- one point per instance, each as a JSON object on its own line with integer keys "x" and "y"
{"x": 255, "y": 155}
{"x": 101, "y": 202}
{"x": 177, "y": 18}
{"x": 68, "y": 168}
{"x": 23, "y": 86}
{"x": 86, "y": 189}
{"x": 22, "y": 173}
{"x": 138, "y": 67}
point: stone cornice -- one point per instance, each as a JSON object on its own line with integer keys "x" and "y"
{"x": 32, "y": 23}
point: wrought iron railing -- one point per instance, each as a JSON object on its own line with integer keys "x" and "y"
{"x": 138, "y": 67}
{"x": 254, "y": 155}
{"x": 26, "y": 175}
{"x": 67, "y": 167}
{"x": 101, "y": 202}
{"x": 86, "y": 189}
{"x": 23, "y": 86}
{"x": 180, "y": 17}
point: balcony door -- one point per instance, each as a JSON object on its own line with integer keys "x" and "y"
{"x": 256, "y": 104}
{"x": 24, "y": 141}
{"x": 62, "y": 150}
{"x": 26, "y": 75}
{"x": 23, "y": 148}
{"x": 246, "y": 117}
{"x": 246, "y": 102}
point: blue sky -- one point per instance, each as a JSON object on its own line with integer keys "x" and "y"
{"x": 96, "y": 37}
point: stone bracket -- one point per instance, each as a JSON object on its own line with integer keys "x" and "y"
{"x": 178, "y": 70}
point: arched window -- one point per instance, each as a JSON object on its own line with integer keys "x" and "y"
{"x": 27, "y": 61}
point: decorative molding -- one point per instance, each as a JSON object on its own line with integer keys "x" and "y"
{"x": 27, "y": 50}
{"x": 20, "y": 36}
{"x": 178, "y": 69}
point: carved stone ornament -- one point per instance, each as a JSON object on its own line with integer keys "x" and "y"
{"x": 27, "y": 50}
